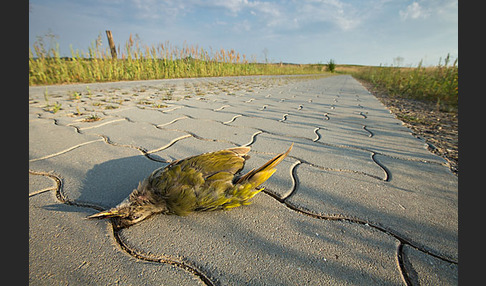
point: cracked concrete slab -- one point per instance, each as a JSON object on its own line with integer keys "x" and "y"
{"x": 153, "y": 116}
{"x": 251, "y": 246}
{"x": 358, "y": 201}
{"x": 274, "y": 126}
{"x": 99, "y": 173}
{"x": 136, "y": 134}
{"x": 40, "y": 184}
{"x": 420, "y": 266}
{"x": 44, "y": 139}
{"x": 213, "y": 130}
{"x": 426, "y": 219}
{"x": 190, "y": 146}
{"x": 60, "y": 252}
{"x": 326, "y": 156}
{"x": 201, "y": 109}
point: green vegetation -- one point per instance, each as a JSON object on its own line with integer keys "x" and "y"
{"x": 438, "y": 84}
{"x": 51, "y": 108}
{"x": 92, "y": 118}
{"x": 137, "y": 63}
{"x": 331, "y": 65}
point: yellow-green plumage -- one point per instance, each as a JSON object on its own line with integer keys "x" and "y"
{"x": 204, "y": 182}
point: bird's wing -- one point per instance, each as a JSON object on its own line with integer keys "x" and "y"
{"x": 199, "y": 182}
{"x": 208, "y": 164}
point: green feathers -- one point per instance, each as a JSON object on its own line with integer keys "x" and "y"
{"x": 200, "y": 183}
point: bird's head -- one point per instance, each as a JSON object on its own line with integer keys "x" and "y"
{"x": 125, "y": 214}
{"x": 137, "y": 207}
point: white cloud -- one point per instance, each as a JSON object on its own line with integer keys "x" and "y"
{"x": 265, "y": 12}
{"x": 444, "y": 10}
{"x": 343, "y": 15}
{"x": 256, "y": 8}
{"x": 286, "y": 15}
{"x": 234, "y": 6}
{"x": 155, "y": 9}
{"x": 448, "y": 10}
{"x": 414, "y": 11}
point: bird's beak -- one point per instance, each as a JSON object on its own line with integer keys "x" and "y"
{"x": 105, "y": 214}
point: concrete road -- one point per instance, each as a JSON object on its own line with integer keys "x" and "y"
{"x": 359, "y": 200}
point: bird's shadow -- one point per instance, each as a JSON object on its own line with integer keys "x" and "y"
{"x": 110, "y": 182}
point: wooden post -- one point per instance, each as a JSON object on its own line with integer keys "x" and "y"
{"x": 112, "y": 44}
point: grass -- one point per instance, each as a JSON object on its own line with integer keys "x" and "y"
{"x": 438, "y": 84}
{"x": 142, "y": 63}
{"x": 54, "y": 108}
{"x": 92, "y": 118}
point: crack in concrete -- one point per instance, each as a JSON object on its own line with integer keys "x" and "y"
{"x": 339, "y": 170}
{"x": 172, "y": 109}
{"x": 221, "y": 108}
{"x": 65, "y": 150}
{"x": 401, "y": 264}
{"x": 295, "y": 180}
{"x": 61, "y": 197}
{"x": 232, "y": 119}
{"x": 159, "y": 259}
{"x": 45, "y": 189}
{"x": 318, "y": 136}
{"x": 173, "y": 121}
{"x": 172, "y": 142}
{"x": 96, "y": 126}
{"x": 366, "y": 129}
{"x": 253, "y": 139}
{"x": 107, "y": 140}
{"x": 383, "y": 168}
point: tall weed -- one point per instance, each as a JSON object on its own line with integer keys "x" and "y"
{"x": 438, "y": 84}
{"x": 137, "y": 62}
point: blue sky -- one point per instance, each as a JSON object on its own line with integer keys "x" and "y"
{"x": 368, "y": 32}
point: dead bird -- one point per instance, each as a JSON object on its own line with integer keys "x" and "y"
{"x": 205, "y": 182}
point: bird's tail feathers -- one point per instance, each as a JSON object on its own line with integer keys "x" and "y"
{"x": 260, "y": 175}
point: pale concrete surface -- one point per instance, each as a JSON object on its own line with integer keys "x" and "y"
{"x": 359, "y": 200}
